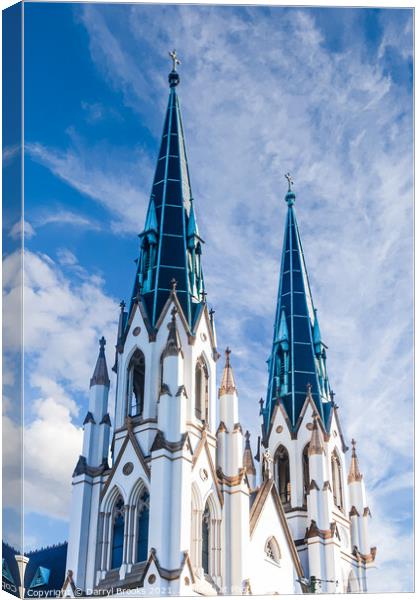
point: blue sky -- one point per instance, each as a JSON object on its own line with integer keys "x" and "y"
{"x": 324, "y": 93}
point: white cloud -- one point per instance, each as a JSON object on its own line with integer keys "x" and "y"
{"x": 63, "y": 322}
{"x": 16, "y": 231}
{"x": 66, "y": 217}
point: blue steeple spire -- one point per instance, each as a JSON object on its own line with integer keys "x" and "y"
{"x": 170, "y": 244}
{"x": 298, "y": 355}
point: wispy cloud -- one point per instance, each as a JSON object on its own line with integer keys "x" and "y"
{"x": 66, "y": 217}
{"x": 102, "y": 174}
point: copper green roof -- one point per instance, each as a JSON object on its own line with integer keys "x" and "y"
{"x": 298, "y": 356}
{"x": 170, "y": 247}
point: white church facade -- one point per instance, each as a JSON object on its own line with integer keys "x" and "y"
{"x": 167, "y": 497}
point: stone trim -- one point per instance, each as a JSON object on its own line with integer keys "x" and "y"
{"x": 365, "y": 558}
{"x": 160, "y": 442}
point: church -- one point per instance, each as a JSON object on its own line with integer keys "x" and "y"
{"x": 168, "y": 497}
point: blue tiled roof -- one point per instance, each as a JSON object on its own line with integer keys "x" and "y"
{"x": 52, "y": 558}
{"x": 170, "y": 243}
{"x": 298, "y": 355}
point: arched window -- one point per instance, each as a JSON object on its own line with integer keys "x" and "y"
{"x": 143, "y": 527}
{"x": 305, "y": 470}
{"x": 336, "y": 480}
{"x": 205, "y": 540}
{"x": 272, "y": 550}
{"x": 201, "y": 391}
{"x": 283, "y": 474}
{"x": 135, "y": 384}
{"x": 117, "y": 534}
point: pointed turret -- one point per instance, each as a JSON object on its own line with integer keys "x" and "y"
{"x": 100, "y": 374}
{"x": 315, "y": 445}
{"x": 248, "y": 462}
{"x": 170, "y": 243}
{"x": 354, "y": 471}
{"x": 298, "y": 354}
{"x": 173, "y": 343}
{"x": 227, "y": 385}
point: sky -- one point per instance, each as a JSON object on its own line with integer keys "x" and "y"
{"x": 323, "y": 93}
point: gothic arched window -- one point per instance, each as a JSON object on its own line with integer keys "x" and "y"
{"x": 117, "y": 534}
{"x": 305, "y": 470}
{"x": 272, "y": 550}
{"x": 135, "y": 384}
{"x": 143, "y": 527}
{"x": 283, "y": 474}
{"x": 336, "y": 480}
{"x": 201, "y": 391}
{"x": 205, "y": 540}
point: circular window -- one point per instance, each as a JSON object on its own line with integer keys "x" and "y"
{"x": 187, "y": 581}
{"x": 279, "y": 429}
{"x": 309, "y": 426}
{"x": 152, "y": 579}
{"x": 136, "y": 330}
{"x": 128, "y": 468}
{"x": 203, "y": 337}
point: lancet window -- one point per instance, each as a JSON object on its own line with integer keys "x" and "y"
{"x": 135, "y": 384}
{"x": 201, "y": 391}
{"x": 282, "y": 465}
{"x": 142, "y": 527}
{"x": 337, "y": 480}
{"x": 118, "y": 517}
{"x": 305, "y": 471}
{"x": 205, "y": 537}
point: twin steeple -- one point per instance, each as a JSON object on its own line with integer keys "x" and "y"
{"x": 298, "y": 355}
{"x": 170, "y": 244}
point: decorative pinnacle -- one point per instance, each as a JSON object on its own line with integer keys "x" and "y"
{"x": 354, "y": 472}
{"x": 173, "y": 75}
{"x": 122, "y": 305}
{"x": 228, "y": 382}
{"x": 175, "y": 59}
{"x": 100, "y": 374}
{"x": 247, "y": 437}
{"x": 315, "y": 444}
{"x": 309, "y": 389}
{"x": 290, "y": 196}
{"x": 289, "y": 181}
{"x": 174, "y": 283}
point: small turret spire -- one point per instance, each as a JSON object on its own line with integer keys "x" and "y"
{"x": 228, "y": 382}
{"x": 173, "y": 344}
{"x": 100, "y": 374}
{"x": 315, "y": 445}
{"x": 290, "y": 196}
{"x": 248, "y": 459}
{"x": 173, "y": 75}
{"x": 354, "y": 472}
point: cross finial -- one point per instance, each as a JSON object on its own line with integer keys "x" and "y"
{"x": 308, "y": 388}
{"x": 175, "y": 59}
{"x": 289, "y": 181}
{"x": 203, "y": 295}
{"x": 122, "y": 305}
{"x": 102, "y": 343}
{"x": 353, "y": 443}
{"x": 174, "y": 283}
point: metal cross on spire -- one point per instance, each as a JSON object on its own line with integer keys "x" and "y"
{"x": 289, "y": 181}
{"x": 175, "y": 59}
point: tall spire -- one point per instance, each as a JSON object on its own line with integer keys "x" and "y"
{"x": 228, "y": 382}
{"x": 100, "y": 374}
{"x": 170, "y": 245}
{"x": 354, "y": 471}
{"x": 298, "y": 355}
